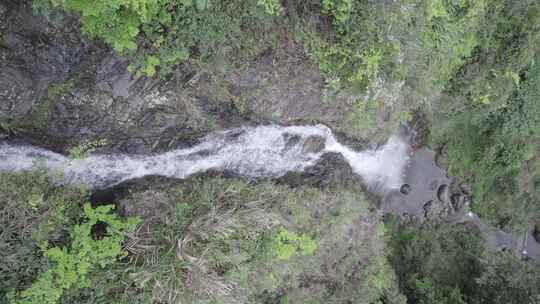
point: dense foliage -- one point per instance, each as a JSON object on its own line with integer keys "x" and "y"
{"x": 225, "y": 241}
{"x": 163, "y": 33}
{"x": 33, "y": 214}
{"x": 49, "y": 240}
{"x": 448, "y": 264}
{"x": 71, "y": 266}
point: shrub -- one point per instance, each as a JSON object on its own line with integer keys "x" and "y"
{"x": 438, "y": 263}
{"x": 285, "y": 244}
{"x": 86, "y": 253}
{"x": 34, "y": 213}
{"x": 158, "y": 34}
{"x": 496, "y": 150}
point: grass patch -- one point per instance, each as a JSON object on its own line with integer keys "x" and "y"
{"x": 224, "y": 241}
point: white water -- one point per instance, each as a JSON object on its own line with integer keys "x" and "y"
{"x": 263, "y": 151}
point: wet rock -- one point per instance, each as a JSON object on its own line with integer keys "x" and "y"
{"x": 284, "y": 89}
{"x": 16, "y": 92}
{"x": 536, "y": 233}
{"x": 405, "y": 189}
{"x": 458, "y": 202}
{"x": 435, "y": 210}
{"x": 314, "y": 144}
{"x": 291, "y": 140}
{"x": 331, "y": 170}
{"x": 118, "y": 192}
{"x": 441, "y": 158}
{"x": 155, "y": 115}
{"x": 112, "y": 76}
{"x": 33, "y": 54}
{"x": 465, "y": 188}
{"x": 443, "y": 194}
{"x": 428, "y": 195}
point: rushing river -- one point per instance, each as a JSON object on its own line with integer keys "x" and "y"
{"x": 263, "y": 151}
{"x": 270, "y": 152}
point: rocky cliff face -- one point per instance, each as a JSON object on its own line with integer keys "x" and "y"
{"x": 33, "y": 54}
{"x": 59, "y": 90}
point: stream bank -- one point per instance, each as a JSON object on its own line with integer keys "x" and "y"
{"x": 60, "y": 91}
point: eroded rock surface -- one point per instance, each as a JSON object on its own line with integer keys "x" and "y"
{"x": 427, "y": 194}
{"x": 33, "y": 54}
{"x": 285, "y": 88}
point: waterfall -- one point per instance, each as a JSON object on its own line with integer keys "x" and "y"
{"x": 252, "y": 152}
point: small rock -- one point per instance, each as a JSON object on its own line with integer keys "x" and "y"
{"x": 313, "y": 144}
{"x": 291, "y": 140}
{"x": 458, "y": 202}
{"x": 405, "y": 189}
{"x": 441, "y": 159}
{"x": 443, "y": 194}
{"x": 465, "y": 188}
{"x": 435, "y": 210}
{"x": 536, "y": 233}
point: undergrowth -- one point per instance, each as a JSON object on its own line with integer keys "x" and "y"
{"x": 227, "y": 241}
{"x": 48, "y": 238}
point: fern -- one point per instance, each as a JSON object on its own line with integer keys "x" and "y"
{"x": 71, "y": 266}
{"x": 285, "y": 244}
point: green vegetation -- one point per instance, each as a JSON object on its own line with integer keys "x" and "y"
{"x": 449, "y": 264}
{"x": 285, "y": 244}
{"x": 470, "y": 68}
{"x": 214, "y": 240}
{"x": 33, "y": 214}
{"x": 49, "y": 239}
{"x": 489, "y": 116}
{"x": 87, "y": 252}
{"x": 83, "y": 150}
{"x": 158, "y": 34}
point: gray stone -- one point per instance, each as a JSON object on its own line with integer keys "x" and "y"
{"x": 17, "y": 93}
{"x": 313, "y": 144}
{"x": 34, "y": 55}
{"x": 425, "y": 180}
{"x": 465, "y": 188}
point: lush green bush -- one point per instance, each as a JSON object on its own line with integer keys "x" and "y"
{"x": 350, "y": 54}
{"x": 507, "y": 279}
{"x": 438, "y": 263}
{"x": 285, "y": 244}
{"x": 86, "y": 253}
{"x": 118, "y": 22}
{"x": 489, "y": 119}
{"x": 33, "y": 215}
{"x": 48, "y": 241}
{"x": 158, "y": 34}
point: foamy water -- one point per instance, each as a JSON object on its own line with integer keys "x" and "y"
{"x": 252, "y": 152}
